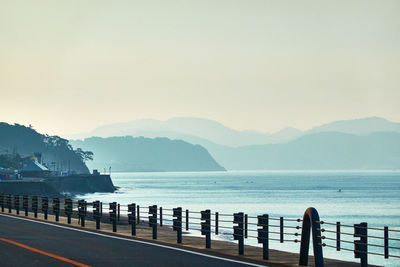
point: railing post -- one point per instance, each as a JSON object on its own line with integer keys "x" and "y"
{"x": 263, "y": 236}
{"x": 216, "y": 223}
{"x": 25, "y": 204}
{"x": 206, "y": 226}
{"x": 153, "y": 219}
{"x": 177, "y": 212}
{"x": 338, "y": 236}
{"x": 56, "y": 208}
{"x": 82, "y": 211}
{"x": 361, "y": 245}
{"x": 161, "y": 217}
{"x": 386, "y": 242}
{"x": 245, "y": 225}
{"x": 132, "y": 217}
{"x": 35, "y": 205}
{"x": 96, "y": 213}
{"x": 2, "y": 202}
{"x": 311, "y": 222}
{"x": 119, "y": 211}
{"x": 113, "y": 215}
{"x": 68, "y": 209}
{"x": 45, "y": 206}
{"x": 9, "y": 204}
{"x": 187, "y": 220}
{"x": 16, "y": 203}
{"x": 238, "y": 231}
{"x": 138, "y": 213}
{"x": 281, "y": 233}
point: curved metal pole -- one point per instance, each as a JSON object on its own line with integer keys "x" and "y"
{"x": 311, "y": 221}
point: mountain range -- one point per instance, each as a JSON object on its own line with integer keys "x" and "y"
{"x": 196, "y": 127}
{"x": 317, "y": 151}
{"x": 367, "y": 143}
{"x": 218, "y": 133}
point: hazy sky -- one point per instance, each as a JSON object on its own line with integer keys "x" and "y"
{"x": 69, "y": 66}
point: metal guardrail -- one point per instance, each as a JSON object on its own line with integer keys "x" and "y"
{"x": 360, "y": 242}
{"x": 239, "y": 226}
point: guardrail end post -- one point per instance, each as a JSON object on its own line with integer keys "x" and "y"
{"x": 310, "y": 226}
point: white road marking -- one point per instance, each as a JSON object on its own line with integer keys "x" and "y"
{"x": 136, "y": 241}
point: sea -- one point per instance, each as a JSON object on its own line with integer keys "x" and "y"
{"x": 348, "y": 197}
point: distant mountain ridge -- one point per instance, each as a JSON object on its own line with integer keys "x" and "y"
{"x": 358, "y": 126}
{"x": 318, "y": 151}
{"x": 196, "y": 127}
{"x": 146, "y": 154}
{"x": 217, "y": 133}
{"x": 287, "y": 149}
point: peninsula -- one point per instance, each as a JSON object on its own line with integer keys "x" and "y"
{"x": 35, "y": 164}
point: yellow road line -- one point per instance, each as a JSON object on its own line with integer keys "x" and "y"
{"x": 44, "y": 253}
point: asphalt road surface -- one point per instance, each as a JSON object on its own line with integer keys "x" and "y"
{"x": 29, "y": 243}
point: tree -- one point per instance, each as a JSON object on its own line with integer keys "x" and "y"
{"x": 11, "y": 161}
{"x": 84, "y": 155}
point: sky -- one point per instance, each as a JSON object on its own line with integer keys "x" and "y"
{"x": 70, "y": 66}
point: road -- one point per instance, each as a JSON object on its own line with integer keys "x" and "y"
{"x": 24, "y": 242}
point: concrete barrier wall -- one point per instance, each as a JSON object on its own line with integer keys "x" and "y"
{"x": 29, "y": 188}
{"x": 82, "y": 184}
{"x": 57, "y": 186}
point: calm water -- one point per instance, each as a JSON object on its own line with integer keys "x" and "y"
{"x": 373, "y": 197}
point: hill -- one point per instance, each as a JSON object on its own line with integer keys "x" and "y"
{"x": 358, "y": 126}
{"x": 55, "y": 152}
{"x": 327, "y": 150}
{"x": 146, "y": 154}
{"x": 205, "y": 129}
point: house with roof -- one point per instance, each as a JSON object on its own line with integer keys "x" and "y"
{"x": 34, "y": 169}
